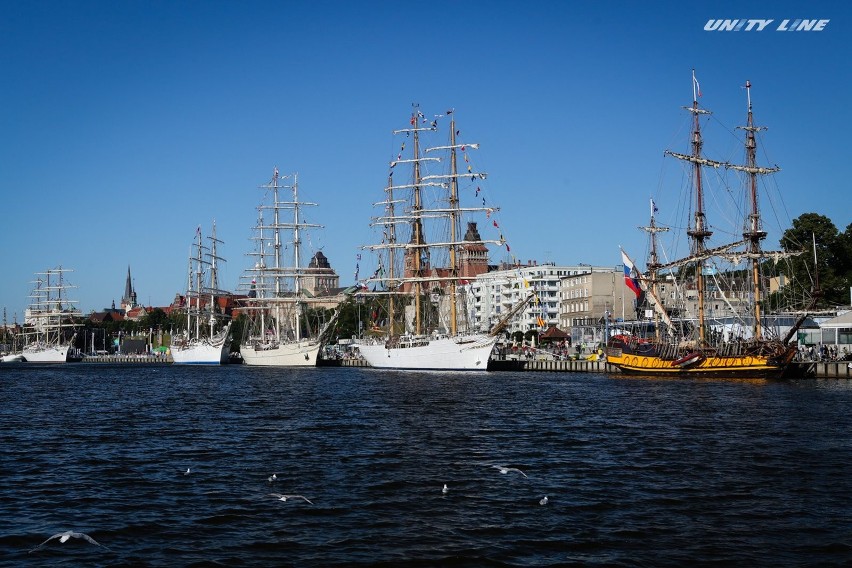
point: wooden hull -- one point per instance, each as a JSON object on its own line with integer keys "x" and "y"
{"x": 709, "y": 364}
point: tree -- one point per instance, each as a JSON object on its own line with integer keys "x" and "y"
{"x": 831, "y": 257}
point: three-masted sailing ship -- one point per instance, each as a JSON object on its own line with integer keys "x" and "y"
{"x": 50, "y": 326}
{"x": 277, "y": 333}
{"x": 206, "y": 338}
{"x": 702, "y": 345}
{"x": 424, "y": 316}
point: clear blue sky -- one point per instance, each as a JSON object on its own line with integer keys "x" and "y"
{"x": 124, "y": 125}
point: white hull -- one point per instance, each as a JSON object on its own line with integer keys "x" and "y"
{"x": 200, "y": 353}
{"x": 463, "y": 353}
{"x": 205, "y": 351}
{"x": 46, "y": 354}
{"x": 13, "y": 358}
{"x": 295, "y": 354}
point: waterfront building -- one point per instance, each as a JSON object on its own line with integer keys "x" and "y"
{"x": 492, "y": 294}
{"x": 590, "y": 296}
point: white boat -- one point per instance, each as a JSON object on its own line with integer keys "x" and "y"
{"x": 206, "y": 338}
{"x": 277, "y": 332}
{"x": 431, "y": 331}
{"x": 49, "y": 326}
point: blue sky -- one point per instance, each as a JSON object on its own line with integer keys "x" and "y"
{"x": 125, "y": 125}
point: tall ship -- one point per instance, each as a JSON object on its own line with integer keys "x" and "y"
{"x": 278, "y": 332}
{"x": 51, "y": 320}
{"x": 424, "y": 259}
{"x": 206, "y": 337}
{"x": 727, "y": 330}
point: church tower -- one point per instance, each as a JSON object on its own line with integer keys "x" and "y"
{"x": 128, "y": 301}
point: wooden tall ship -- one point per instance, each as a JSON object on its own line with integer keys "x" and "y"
{"x": 694, "y": 347}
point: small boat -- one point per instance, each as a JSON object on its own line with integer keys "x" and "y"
{"x": 690, "y": 359}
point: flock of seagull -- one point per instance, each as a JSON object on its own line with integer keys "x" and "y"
{"x": 67, "y": 535}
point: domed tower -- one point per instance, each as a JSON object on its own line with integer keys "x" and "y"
{"x": 319, "y": 277}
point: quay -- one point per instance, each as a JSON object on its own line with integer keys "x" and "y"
{"x": 809, "y": 369}
{"x": 133, "y": 359}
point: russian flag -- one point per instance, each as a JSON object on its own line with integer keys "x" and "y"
{"x": 629, "y": 280}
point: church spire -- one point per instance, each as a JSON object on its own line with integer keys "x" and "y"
{"x": 129, "y": 299}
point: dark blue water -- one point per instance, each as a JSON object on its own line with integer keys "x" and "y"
{"x": 638, "y": 472}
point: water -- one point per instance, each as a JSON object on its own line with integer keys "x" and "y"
{"x": 638, "y": 472}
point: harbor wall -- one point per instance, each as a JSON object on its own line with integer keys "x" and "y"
{"x": 820, "y": 370}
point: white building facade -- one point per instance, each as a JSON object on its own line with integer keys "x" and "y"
{"x": 491, "y": 295}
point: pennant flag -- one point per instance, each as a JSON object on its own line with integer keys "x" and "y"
{"x": 629, "y": 280}
{"x": 495, "y": 224}
{"x": 477, "y": 191}
{"x": 695, "y": 84}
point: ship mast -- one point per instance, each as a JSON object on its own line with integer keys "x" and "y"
{"x": 454, "y": 229}
{"x": 391, "y": 284}
{"x": 417, "y": 225}
{"x": 654, "y": 264}
{"x": 297, "y": 248}
{"x": 214, "y": 276}
{"x": 754, "y": 233}
{"x": 699, "y": 233}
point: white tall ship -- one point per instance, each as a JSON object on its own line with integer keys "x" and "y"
{"x": 278, "y": 332}
{"x": 422, "y": 283}
{"x": 49, "y": 327}
{"x": 206, "y": 339}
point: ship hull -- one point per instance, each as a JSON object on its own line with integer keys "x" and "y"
{"x": 296, "y": 354}
{"x": 200, "y": 353}
{"x": 464, "y": 353}
{"x": 708, "y": 364}
{"x": 46, "y": 354}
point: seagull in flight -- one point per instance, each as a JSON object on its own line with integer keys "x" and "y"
{"x": 504, "y": 470}
{"x": 288, "y": 497}
{"x": 63, "y": 537}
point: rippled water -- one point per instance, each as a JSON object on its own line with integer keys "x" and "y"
{"x": 638, "y": 472}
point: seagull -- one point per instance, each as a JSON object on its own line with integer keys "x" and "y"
{"x": 272, "y": 478}
{"x": 445, "y": 490}
{"x": 187, "y": 472}
{"x": 504, "y": 470}
{"x": 63, "y": 537}
{"x": 543, "y": 500}
{"x": 288, "y": 497}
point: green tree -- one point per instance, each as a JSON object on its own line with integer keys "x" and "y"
{"x": 828, "y": 264}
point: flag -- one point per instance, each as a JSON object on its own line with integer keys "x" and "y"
{"x": 629, "y": 280}
{"x": 695, "y": 84}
